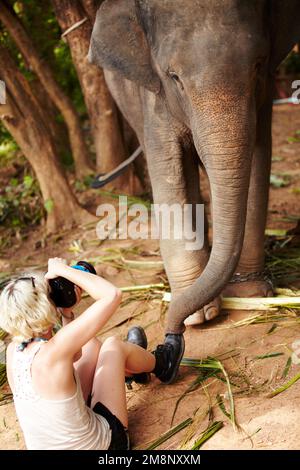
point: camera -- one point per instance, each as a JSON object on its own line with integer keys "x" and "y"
{"x": 62, "y": 291}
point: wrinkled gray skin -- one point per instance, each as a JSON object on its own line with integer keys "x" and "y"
{"x": 194, "y": 78}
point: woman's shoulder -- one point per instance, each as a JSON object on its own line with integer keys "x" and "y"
{"x": 47, "y": 357}
{"x": 9, "y": 350}
{"x": 9, "y": 355}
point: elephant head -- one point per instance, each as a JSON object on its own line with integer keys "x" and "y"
{"x": 212, "y": 62}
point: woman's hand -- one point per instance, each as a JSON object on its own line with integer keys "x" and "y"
{"x": 54, "y": 267}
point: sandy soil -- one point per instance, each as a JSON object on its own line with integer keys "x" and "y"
{"x": 264, "y": 423}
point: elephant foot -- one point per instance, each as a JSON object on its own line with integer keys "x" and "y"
{"x": 208, "y": 312}
{"x": 251, "y": 288}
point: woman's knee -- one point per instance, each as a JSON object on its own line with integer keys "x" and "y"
{"x": 112, "y": 350}
{"x": 112, "y": 343}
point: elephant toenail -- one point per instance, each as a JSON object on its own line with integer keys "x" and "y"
{"x": 195, "y": 319}
{"x": 211, "y": 313}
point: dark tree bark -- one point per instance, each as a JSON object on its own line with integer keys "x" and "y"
{"x": 107, "y": 135}
{"x": 91, "y": 7}
{"x": 131, "y": 142}
{"x": 18, "y": 33}
{"x": 58, "y": 130}
{"x": 24, "y": 118}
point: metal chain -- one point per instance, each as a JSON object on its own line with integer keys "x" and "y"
{"x": 254, "y": 276}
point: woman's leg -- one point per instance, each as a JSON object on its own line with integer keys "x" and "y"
{"x": 114, "y": 358}
{"x": 86, "y": 366}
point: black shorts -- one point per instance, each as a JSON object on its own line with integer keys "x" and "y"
{"x": 119, "y": 434}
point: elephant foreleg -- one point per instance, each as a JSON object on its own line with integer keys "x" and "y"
{"x": 253, "y": 282}
{"x": 174, "y": 173}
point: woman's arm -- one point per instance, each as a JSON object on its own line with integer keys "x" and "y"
{"x": 94, "y": 285}
{"x": 67, "y": 315}
{"x": 69, "y": 339}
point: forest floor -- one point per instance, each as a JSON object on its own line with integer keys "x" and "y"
{"x": 254, "y": 355}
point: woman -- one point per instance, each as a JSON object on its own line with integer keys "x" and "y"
{"x": 55, "y": 377}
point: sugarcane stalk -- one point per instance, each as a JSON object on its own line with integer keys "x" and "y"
{"x": 142, "y": 287}
{"x": 253, "y": 303}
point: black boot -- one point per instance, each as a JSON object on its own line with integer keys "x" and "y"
{"x": 136, "y": 335}
{"x": 168, "y": 357}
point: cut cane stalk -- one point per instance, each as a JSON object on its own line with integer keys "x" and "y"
{"x": 254, "y": 303}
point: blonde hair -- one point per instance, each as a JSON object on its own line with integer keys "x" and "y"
{"x": 25, "y": 308}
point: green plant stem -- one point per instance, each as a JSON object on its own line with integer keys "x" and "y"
{"x": 207, "y": 434}
{"x": 285, "y": 386}
{"x": 169, "y": 434}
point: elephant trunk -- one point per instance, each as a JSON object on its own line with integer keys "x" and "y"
{"x": 226, "y": 150}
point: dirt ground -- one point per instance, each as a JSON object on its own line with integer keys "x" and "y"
{"x": 264, "y": 423}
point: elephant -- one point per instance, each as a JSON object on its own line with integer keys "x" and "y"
{"x": 195, "y": 80}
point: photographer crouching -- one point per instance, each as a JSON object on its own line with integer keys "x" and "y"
{"x": 68, "y": 388}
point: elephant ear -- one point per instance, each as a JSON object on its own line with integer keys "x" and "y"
{"x": 285, "y": 29}
{"x": 118, "y": 43}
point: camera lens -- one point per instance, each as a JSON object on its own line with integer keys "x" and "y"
{"x": 62, "y": 292}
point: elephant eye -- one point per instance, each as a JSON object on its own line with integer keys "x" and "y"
{"x": 175, "y": 78}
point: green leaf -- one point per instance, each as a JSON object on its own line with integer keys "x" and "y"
{"x": 275, "y": 232}
{"x": 49, "y": 204}
{"x": 87, "y": 180}
{"x": 15, "y": 222}
{"x": 293, "y": 140}
{"x": 267, "y": 356}
{"x": 28, "y": 181}
{"x": 278, "y": 181}
{"x": 222, "y": 406}
{"x": 2, "y": 374}
{"x": 285, "y": 386}
{"x": 207, "y": 434}
{"x": 14, "y": 182}
{"x": 286, "y": 368}
{"x": 169, "y": 434}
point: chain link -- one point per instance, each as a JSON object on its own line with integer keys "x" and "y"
{"x": 254, "y": 276}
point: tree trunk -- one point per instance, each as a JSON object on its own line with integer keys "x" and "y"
{"x": 27, "y": 123}
{"x": 91, "y": 7}
{"x": 44, "y": 73}
{"x": 107, "y": 135}
{"x": 141, "y": 184}
{"x": 58, "y": 130}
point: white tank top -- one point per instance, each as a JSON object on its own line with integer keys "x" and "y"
{"x": 66, "y": 424}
